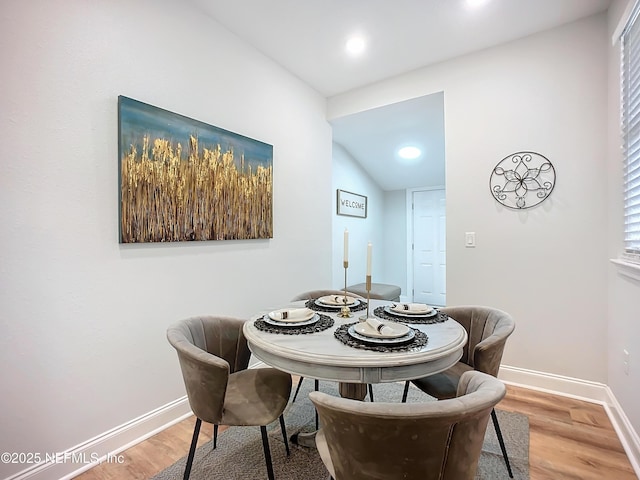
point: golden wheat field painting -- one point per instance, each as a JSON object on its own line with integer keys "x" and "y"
{"x": 184, "y": 180}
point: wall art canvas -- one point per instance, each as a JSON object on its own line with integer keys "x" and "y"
{"x": 184, "y": 180}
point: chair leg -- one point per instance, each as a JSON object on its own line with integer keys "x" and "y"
{"x": 316, "y": 385}
{"x": 192, "y": 449}
{"x": 496, "y": 425}
{"x": 215, "y": 436}
{"x": 406, "y": 391}
{"x": 284, "y": 434}
{"x": 297, "y": 389}
{"x": 267, "y": 452}
{"x": 370, "y": 392}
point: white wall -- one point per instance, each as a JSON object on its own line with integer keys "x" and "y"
{"x": 348, "y": 175}
{"x": 546, "y": 266}
{"x": 83, "y": 345}
{"x": 624, "y": 292}
{"x": 395, "y": 239}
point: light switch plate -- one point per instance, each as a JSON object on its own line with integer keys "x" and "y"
{"x": 470, "y": 239}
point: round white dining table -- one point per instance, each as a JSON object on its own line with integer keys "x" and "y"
{"x": 320, "y": 355}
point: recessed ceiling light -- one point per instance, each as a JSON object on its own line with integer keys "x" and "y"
{"x": 409, "y": 152}
{"x": 355, "y": 45}
{"x": 476, "y": 3}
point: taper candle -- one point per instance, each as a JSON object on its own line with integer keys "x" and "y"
{"x": 346, "y": 245}
{"x": 369, "y": 248}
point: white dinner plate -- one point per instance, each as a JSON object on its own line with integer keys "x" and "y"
{"x": 381, "y": 340}
{"x": 276, "y": 314}
{"x": 391, "y": 311}
{"x": 285, "y": 323}
{"x": 336, "y": 301}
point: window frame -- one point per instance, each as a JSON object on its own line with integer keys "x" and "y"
{"x": 630, "y": 129}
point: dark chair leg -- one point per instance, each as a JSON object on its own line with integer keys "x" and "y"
{"x": 215, "y": 436}
{"x": 406, "y": 391}
{"x": 284, "y": 434}
{"x": 316, "y": 385}
{"x": 496, "y": 425}
{"x": 297, "y": 389}
{"x": 192, "y": 449}
{"x": 267, "y": 452}
{"x": 370, "y": 392}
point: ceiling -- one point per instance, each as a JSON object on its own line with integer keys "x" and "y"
{"x": 307, "y": 38}
{"x": 373, "y": 137}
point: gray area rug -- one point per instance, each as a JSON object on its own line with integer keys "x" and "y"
{"x": 239, "y": 452}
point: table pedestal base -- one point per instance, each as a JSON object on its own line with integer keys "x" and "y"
{"x": 356, "y": 391}
{"x": 304, "y": 439}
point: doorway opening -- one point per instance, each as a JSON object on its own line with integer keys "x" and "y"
{"x": 366, "y": 160}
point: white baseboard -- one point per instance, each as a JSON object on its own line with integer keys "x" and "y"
{"x": 582, "y": 390}
{"x": 628, "y": 436}
{"x": 556, "y": 384}
{"x": 107, "y": 446}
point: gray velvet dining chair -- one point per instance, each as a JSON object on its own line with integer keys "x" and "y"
{"x": 214, "y": 356}
{"x": 412, "y": 441}
{"x": 488, "y": 330}
{"x": 313, "y": 294}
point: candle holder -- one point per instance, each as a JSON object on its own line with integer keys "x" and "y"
{"x": 345, "y": 311}
{"x": 368, "y": 288}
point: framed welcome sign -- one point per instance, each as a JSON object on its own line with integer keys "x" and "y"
{"x": 352, "y": 204}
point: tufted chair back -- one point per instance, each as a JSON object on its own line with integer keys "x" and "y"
{"x": 413, "y": 441}
{"x": 209, "y": 350}
{"x": 488, "y": 330}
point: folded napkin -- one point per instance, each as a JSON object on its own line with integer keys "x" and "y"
{"x": 411, "y": 308}
{"x": 338, "y": 299}
{"x": 378, "y": 326}
{"x": 291, "y": 314}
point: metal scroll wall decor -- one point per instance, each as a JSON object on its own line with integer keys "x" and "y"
{"x": 522, "y": 180}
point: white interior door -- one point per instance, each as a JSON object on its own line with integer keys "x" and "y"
{"x": 429, "y": 247}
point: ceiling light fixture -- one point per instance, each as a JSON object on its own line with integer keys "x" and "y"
{"x": 355, "y": 45}
{"x": 409, "y": 153}
{"x": 476, "y": 3}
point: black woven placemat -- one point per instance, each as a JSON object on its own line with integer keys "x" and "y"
{"x": 419, "y": 340}
{"x": 311, "y": 303}
{"x": 322, "y": 324}
{"x": 439, "y": 318}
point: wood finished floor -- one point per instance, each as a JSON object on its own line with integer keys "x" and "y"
{"x": 569, "y": 440}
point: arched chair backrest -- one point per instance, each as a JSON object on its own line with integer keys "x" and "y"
{"x": 322, "y": 293}
{"x": 414, "y": 441}
{"x": 488, "y": 329}
{"x": 209, "y": 349}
